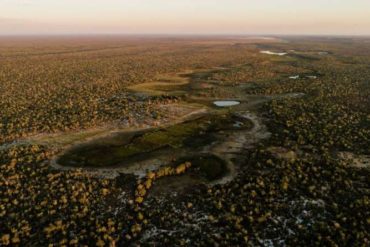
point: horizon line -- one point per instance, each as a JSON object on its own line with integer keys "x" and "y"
{"x": 185, "y": 34}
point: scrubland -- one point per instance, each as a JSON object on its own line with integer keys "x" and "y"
{"x": 292, "y": 189}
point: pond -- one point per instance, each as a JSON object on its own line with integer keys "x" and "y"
{"x": 226, "y": 103}
{"x": 274, "y": 53}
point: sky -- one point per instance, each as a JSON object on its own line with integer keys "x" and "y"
{"x": 320, "y": 17}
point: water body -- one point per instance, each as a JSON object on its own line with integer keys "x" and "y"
{"x": 274, "y": 53}
{"x": 226, "y": 103}
{"x": 295, "y": 77}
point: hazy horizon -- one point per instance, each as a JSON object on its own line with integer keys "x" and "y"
{"x": 175, "y": 17}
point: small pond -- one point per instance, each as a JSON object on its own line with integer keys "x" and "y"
{"x": 226, "y": 103}
{"x": 274, "y": 53}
